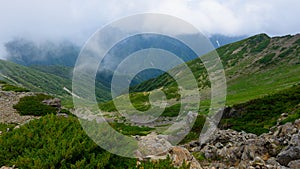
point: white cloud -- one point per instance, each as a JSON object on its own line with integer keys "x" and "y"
{"x": 76, "y": 20}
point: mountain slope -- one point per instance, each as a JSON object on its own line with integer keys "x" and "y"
{"x": 39, "y": 81}
{"x": 254, "y": 67}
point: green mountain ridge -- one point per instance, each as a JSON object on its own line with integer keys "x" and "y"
{"x": 46, "y": 79}
{"x": 262, "y": 76}
{"x": 254, "y": 67}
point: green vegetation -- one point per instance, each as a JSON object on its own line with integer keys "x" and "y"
{"x": 3, "y": 126}
{"x": 196, "y": 130}
{"x": 57, "y": 142}
{"x": 258, "y": 115}
{"x": 292, "y": 116}
{"x": 131, "y": 130}
{"x": 58, "y": 70}
{"x": 3, "y": 82}
{"x": 285, "y": 53}
{"x": 9, "y": 87}
{"x": 140, "y": 101}
{"x": 32, "y": 105}
{"x": 267, "y": 59}
{"x": 297, "y": 42}
{"x": 244, "y": 80}
{"x": 48, "y": 81}
{"x": 108, "y": 106}
{"x": 259, "y": 43}
{"x": 171, "y": 111}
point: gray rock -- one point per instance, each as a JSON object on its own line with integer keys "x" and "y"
{"x": 288, "y": 155}
{"x": 294, "y": 164}
{"x": 53, "y": 102}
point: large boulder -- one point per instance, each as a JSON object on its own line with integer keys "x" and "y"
{"x": 152, "y": 146}
{"x": 179, "y": 155}
{"x": 288, "y": 155}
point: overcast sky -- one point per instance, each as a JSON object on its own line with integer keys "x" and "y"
{"x": 76, "y": 20}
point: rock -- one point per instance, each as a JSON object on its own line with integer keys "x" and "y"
{"x": 288, "y": 155}
{"x": 179, "y": 154}
{"x": 295, "y": 140}
{"x": 294, "y": 164}
{"x": 286, "y": 129}
{"x": 258, "y": 162}
{"x": 219, "y": 145}
{"x": 297, "y": 124}
{"x": 62, "y": 115}
{"x": 53, "y": 102}
{"x": 153, "y": 145}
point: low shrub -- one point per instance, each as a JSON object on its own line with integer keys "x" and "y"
{"x": 131, "y": 130}
{"x": 32, "y": 105}
{"x": 8, "y": 87}
{"x": 53, "y": 142}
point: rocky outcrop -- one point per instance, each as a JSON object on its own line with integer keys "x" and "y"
{"x": 179, "y": 155}
{"x": 53, "y": 103}
{"x": 279, "y": 148}
{"x": 7, "y": 113}
{"x": 155, "y": 147}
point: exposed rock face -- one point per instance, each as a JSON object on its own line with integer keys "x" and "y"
{"x": 279, "y": 148}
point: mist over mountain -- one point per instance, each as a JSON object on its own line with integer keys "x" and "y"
{"x": 26, "y": 52}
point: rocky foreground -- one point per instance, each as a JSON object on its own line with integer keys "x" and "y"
{"x": 7, "y": 113}
{"x": 278, "y": 149}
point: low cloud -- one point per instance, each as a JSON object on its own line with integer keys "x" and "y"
{"x": 76, "y": 20}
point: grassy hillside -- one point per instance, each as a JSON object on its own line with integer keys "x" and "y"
{"x": 254, "y": 67}
{"x": 49, "y": 79}
{"x": 33, "y": 79}
{"x": 258, "y": 115}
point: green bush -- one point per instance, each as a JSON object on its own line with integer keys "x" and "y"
{"x": 258, "y": 115}
{"x": 267, "y": 59}
{"x": 196, "y": 130}
{"x": 171, "y": 111}
{"x": 32, "y": 105}
{"x": 291, "y": 117}
{"x": 285, "y": 53}
{"x": 8, "y": 87}
{"x": 3, "y": 82}
{"x": 54, "y": 142}
{"x": 131, "y": 130}
{"x": 3, "y": 126}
